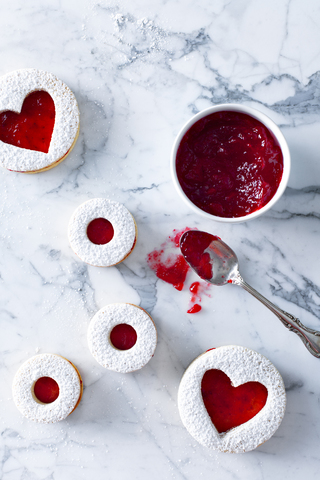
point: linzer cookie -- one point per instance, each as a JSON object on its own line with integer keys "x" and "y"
{"x": 39, "y": 121}
{"x": 122, "y": 337}
{"x": 231, "y": 399}
{"x": 47, "y": 388}
{"x": 102, "y": 232}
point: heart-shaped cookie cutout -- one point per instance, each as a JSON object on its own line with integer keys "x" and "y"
{"x": 31, "y": 128}
{"x": 229, "y": 406}
{"x": 231, "y": 399}
{"x": 39, "y": 122}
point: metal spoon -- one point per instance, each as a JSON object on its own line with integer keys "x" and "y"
{"x": 216, "y": 262}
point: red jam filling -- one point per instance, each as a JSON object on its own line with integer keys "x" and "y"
{"x": 100, "y": 231}
{"x": 229, "y": 164}
{"x": 46, "y": 390}
{"x": 228, "y": 406}
{"x": 31, "y": 128}
{"x": 193, "y": 245}
{"x": 123, "y": 336}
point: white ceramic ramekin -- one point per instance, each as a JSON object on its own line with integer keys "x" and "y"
{"x": 271, "y": 126}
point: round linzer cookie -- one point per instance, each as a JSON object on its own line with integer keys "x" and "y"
{"x": 122, "y": 337}
{"x": 47, "y": 388}
{"x": 102, "y": 232}
{"x": 231, "y": 399}
{"x": 39, "y": 121}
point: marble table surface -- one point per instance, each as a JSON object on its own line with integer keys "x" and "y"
{"x": 140, "y": 69}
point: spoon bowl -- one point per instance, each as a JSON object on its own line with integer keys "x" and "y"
{"x": 211, "y": 258}
{"x": 214, "y": 261}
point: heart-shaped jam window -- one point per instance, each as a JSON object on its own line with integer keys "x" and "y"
{"x": 228, "y": 406}
{"x": 31, "y": 128}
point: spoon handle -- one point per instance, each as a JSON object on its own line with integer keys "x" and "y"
{"x": 310, "y": 338}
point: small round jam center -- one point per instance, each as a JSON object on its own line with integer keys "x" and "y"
{"x": 31, "y": 128}
{"x": 100, "y": 231}
{"x": 46, "y": 390}
{"x": 123, "y": 336}
{"x": 228, "y": 406}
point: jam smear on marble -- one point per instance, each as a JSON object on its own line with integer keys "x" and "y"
{"x": 169, "y": 265}
{"x": 228, "y": 406}
{"x": 46, "y": 390}
{"x": 167, "y": 261}
{"x": 100, "y": 231}
{"x": 123, "y": 336}
{"x": 31, "y": 128}
{"x": 229, "y": 164}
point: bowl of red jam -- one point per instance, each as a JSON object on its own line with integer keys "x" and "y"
{"x": 230, "y": 163}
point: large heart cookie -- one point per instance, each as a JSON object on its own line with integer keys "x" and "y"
{"x": 32, "y": 141}
{"x": 263, "y": 405}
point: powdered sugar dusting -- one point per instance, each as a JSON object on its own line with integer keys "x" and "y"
{"x": 53, "y": 366}
{"x": 105, "y": 353}
{"x": 123, "y": 239}
{"x": 241, "y": 365}
{"x": 14, "y": 87}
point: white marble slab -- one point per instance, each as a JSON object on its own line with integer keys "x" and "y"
{"x": 140, "y": 69}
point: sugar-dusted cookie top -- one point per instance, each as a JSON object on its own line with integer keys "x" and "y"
{"x": 102, "y": 232}
{"x": 243, "y": 367}
{"x": 128, "y": 355}
{"x": 25, "y": 98}
{"x": 59, "y": 371}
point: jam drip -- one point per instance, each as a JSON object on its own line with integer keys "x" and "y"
{"x": 123, "y": 336}
{"x": 100, "y": 231}
{"x": 196, "y": 290}
{"x": 31, "y": 128}
{"x": 228, "y": 406}
{"x": 195, "y": 308}
{"x": 229, "y": 164}
{"x": 46, "y": 390}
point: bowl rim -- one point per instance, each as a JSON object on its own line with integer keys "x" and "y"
{"x": 265, "y": 120}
